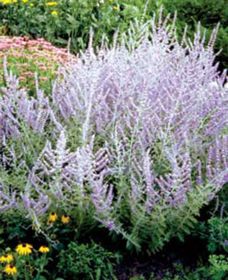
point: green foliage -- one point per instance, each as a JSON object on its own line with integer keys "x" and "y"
{"x": 216, "y": 234}
{"x": 214, "y": 230}
{"x": 156, "y": 229}
{"x": 218, "y": 268}
{"x": 86, "y": 261}
{"x": 73, "y": 19}
{"x": 14, "y": 226}
{"x": 89, "y": 261}
{"x": 221, "y": 203}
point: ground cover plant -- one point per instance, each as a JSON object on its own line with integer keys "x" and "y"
{"x": 57, "y": 21}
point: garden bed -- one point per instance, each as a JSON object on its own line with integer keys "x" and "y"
{"x": 114, "y": 163}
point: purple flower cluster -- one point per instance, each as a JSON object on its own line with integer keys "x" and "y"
{"x": 160, "y": 107}
{"x": 16, "y": 107}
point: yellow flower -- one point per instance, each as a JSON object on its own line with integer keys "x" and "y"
{"x": 6, "y": 259}
{"x": 24, "y": 249}
{"x": 10, "y": 269}
{"x": 9, "y": 258}
{"x": 54, "y": 13}
{"x": 8, "y": 2}
{"x": 65, "y": 219}
{"x": 52, "y": 217}
{"x": 25, "y": 1}
{"x": 2, "y": 259}
{"x": 51, "y": 4}
{"x": 43, "y": 249}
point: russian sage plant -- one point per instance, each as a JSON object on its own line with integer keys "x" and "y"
{"x": 149, "y": 117}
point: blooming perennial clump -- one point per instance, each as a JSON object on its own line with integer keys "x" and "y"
{"x": 152, "y": 144}
{"x": 10, "y": 270}
{"x": 24, "y": 249}
{"x": 14, "y": 264}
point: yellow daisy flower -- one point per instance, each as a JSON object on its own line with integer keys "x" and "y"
{"x": 44, "y": 249}
{"x": 24, "y": 249}
{"x": 2, "y": 259}
{"x": 65, "y": 219}
{"x": 10, "y": 269}
{"x": 6, "y": 259}
{"x": 54, "y": 13}
{"x": 9, "y": 258}
{"x": 52, "y": 217}
{"x": 51, "y": 4}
